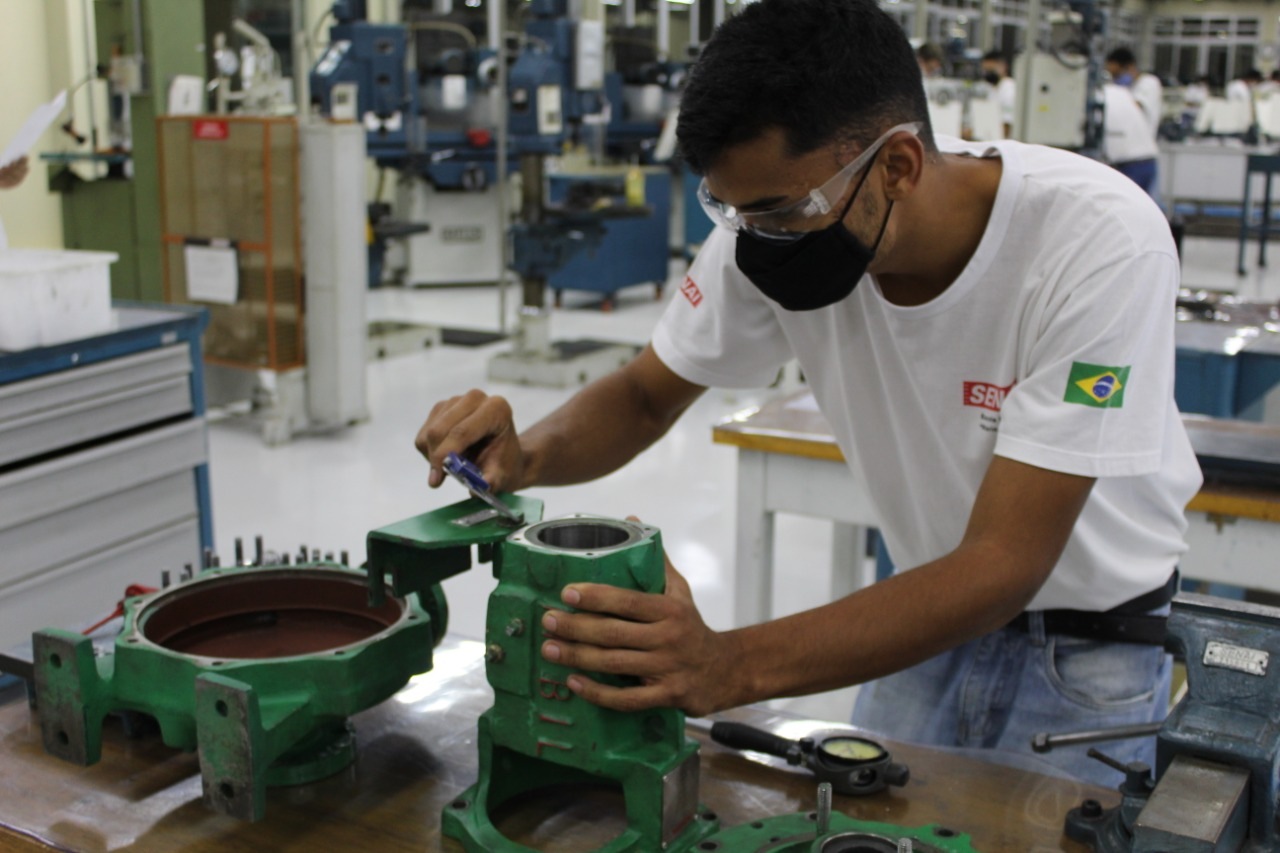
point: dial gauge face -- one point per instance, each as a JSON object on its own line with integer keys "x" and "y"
{"x": 852, "y": 749}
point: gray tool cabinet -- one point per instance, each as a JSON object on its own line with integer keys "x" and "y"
{"x": 103, "y": 468}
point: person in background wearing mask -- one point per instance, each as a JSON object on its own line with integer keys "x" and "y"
{"x": 1147, "y": 90}
{"x": 1001, "y": 383}
{"x": 995, "y": 70}
{"x": 1125, "y": 149}
{"x": 930, "y": 60}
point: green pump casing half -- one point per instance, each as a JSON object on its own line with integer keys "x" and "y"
{"x": 539, "y": 734}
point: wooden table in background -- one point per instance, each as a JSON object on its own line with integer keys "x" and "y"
{"x": 417, "y": 750}
{"x": 788, "y": 461}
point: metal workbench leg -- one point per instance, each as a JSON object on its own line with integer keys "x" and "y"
{"x": 851, "y": 569}
{"x": 1266, "y": 221}
{"x": 1244, "y": 224}
{"x": 753, "y": 542}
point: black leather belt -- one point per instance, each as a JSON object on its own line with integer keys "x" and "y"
{"x": 1130, "y": 622}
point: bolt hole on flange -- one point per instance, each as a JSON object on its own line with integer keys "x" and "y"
{"x": 63, "y": 738}
{"x": 709, "y": 845}
{"x": 221, "y": 708}
{"x": 55, "y": 661}
{"x": 459, "y": 805}
{"x": 226, "y": 790}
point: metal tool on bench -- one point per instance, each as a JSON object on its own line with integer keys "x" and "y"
{"x": 852, "y": 765}
{"x": 470, "y": 476}
{"x": 1218, "y": 752}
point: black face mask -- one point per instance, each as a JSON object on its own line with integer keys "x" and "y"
{"x": 820, "y": 269}
{"x": 991, "y": 77}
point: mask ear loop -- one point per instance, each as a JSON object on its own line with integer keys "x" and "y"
{"x": 883, "y": 225}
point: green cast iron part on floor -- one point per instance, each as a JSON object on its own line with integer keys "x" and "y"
{"x": 256, "y": 721}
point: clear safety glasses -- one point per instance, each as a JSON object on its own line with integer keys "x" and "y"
{"x": 792, "y": 221}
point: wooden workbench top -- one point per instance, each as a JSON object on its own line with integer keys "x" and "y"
{"x": 417, "y": 751}
{"x": 792, "y": 425}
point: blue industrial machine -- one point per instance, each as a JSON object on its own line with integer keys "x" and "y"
{"x": 431, "y": 118}
{"x": 429, "y": 114}
{"x": 363, "y": 76}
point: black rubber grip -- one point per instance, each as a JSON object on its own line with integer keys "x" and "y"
{"x": 742, "y": 736}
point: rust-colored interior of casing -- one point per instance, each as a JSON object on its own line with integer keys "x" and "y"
{"x": 267, "y": 615}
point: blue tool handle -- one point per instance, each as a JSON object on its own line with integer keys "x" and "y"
{"x": 466, "y": 471}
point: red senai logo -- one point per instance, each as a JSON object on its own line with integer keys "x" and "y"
{"x": 216, "y": 129}
{"x": 986, "y": 395}
{"x": 691, "y": 292}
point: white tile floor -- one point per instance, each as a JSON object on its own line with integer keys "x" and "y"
{"x": 328, "y": 491}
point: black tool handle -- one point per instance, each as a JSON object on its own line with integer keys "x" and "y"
{"x": 742, "y": 736}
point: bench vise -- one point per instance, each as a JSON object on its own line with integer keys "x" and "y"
{"x": 1218, "y": 752}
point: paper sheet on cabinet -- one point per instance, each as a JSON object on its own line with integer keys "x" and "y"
{"x": 36, "y": 124}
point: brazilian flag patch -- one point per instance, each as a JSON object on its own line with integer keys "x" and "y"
{"x": 1096, "y": 385}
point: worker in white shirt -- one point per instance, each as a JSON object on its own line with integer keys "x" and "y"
{"x": 1127, "y": 144}
{"x": 1243, "y": 89}
{"x": 995, "y": 70}
{"x": 1147, "y": 90}
{"x": 1148, "y": 93}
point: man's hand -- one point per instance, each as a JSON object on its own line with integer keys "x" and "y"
{"x": 12, "y": 174}
{"x": 480, "y": 428}
{"x": 661, "y": 639}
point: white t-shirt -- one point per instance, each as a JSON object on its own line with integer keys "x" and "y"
{"x": 1069, "y": 293}
{"x": 1126, "y": 134}
{"x": 1148, "y": 91}
{"x": 1007, "y": 94}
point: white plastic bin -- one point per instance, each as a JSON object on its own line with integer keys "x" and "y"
{"x": 50, "y": 296}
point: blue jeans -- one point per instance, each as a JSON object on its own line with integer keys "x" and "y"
{"x": 1142, "y": 173}
{"x": 993, "y": 694}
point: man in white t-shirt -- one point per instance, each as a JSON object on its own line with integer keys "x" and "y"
{"x": 1148, "y": 93}
{"x": 1147, "y": 89}
{"x": 988, "y": 328}
{"x": 1127, "y": 143}
{"x": 995, "y": 70}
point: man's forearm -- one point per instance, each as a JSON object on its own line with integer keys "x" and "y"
{"x": 597, "y": 432}
{"x": 605, "y": 425}
{"x": 879, "y": 630}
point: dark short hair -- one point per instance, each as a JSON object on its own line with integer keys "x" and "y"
{"x": 822, "y": 70}
{"x": 995, "y": 55}
{"x": 1122, "y": 56}
{"x": 928, "y": 52}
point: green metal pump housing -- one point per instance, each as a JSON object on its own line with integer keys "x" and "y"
{"x": 539, "y": 734}
{"x": 259, "y": 668}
